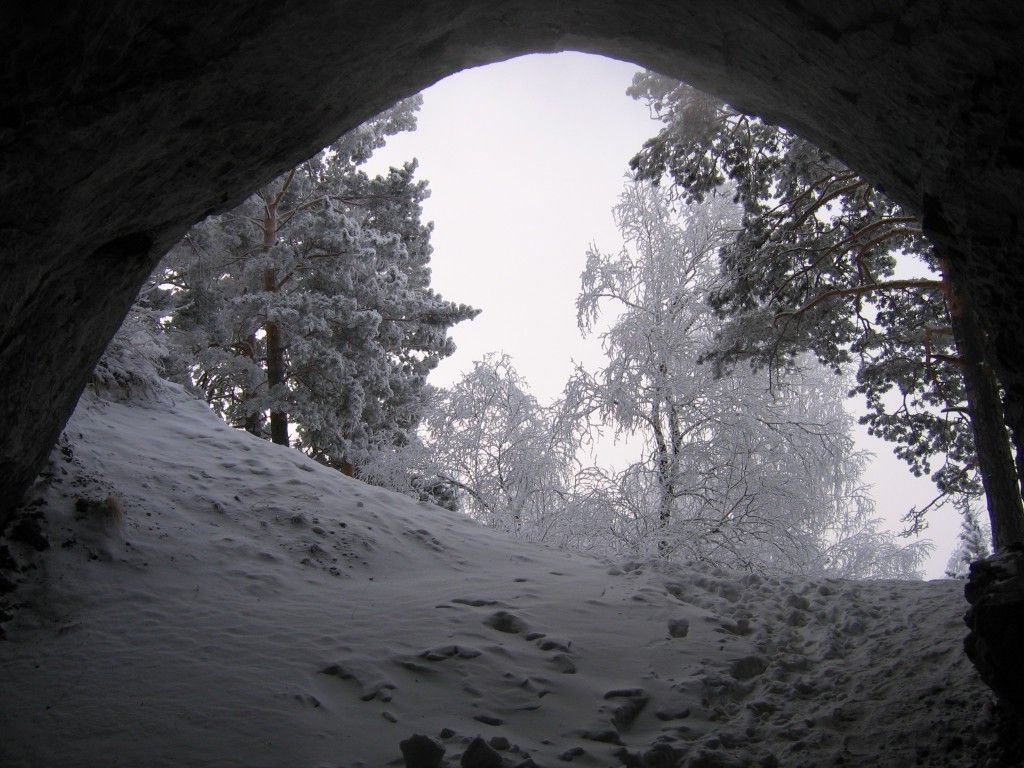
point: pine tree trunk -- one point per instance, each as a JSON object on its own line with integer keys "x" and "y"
{"x": 995, "y": 457}
{"x": 254, "y": 421}
{"x": 1016, "y": 436}
{"x": 275, "y": 377}
{"x": 275, "y": 345}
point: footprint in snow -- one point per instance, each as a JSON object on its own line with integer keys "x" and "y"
{"x": 741, "y": 628}
{"x": 676, "y": 712}
{"x": 488, "y": 720}
{"x": 306, "y": 700}
{"x": 571, "y": 754}
{"x": 747, "y": 667}
{"x": 503, "y": 621}
{"x": 551, "y": 644}
{"x": 678, "y": 627}
{"x": 562, "y": 663}
{"x": 412, "y": 666}
{"x": 426, "y": 539}
{"x": 443, "y": 652}
{"x": 602, "y": 735}
{"x": 371, "y": 689}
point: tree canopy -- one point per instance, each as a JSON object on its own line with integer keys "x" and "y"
{"x": 749, "y": 471}
{"x": 824, "y": 261}
{"x": 307, "y": 313}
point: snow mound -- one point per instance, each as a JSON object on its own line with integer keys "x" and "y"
{"x": 210, "y": 599}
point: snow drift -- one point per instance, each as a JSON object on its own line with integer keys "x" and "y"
{"x": 210, "y": 599}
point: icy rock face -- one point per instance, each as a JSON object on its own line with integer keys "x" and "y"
{"x": 121, "y": 129}
{"x": 995, "y": 591}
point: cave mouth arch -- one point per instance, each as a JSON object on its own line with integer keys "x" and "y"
{"x": 126, "y": 125}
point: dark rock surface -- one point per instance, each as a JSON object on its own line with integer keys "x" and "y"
{"x": 121, "y": 124}
{"x": 421, "y": 751}
{"x": 500, "y": 743}
{"x": 628, "y": 703}
{"x": 28, "y": 529}
{"x": 480, "y": 755}
{"x": 660, "y": 756}
{"x": 995, "y": 591}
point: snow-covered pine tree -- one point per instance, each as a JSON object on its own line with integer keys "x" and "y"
{"x": 308, "y": 310}
{"x": 973, "y": 542}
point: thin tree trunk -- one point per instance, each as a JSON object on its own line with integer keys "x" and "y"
{"x": 995, "y": 457}
{"x": 275, "y": 346}
{"x": 664, "y": 471}
{"x": 665, "y": 490}
{"x": 253, "y": 421}
{"x": 275, "y": 378}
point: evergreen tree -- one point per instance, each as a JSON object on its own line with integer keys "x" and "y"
{"x": 308, "y": 309}
{"x": 814, "y": 266}
{"x": 972, "y": 544}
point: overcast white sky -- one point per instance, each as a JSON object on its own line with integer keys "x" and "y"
{"x": 525, "y": 160}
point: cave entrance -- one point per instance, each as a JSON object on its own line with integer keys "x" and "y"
{"x": 129, "y": 127}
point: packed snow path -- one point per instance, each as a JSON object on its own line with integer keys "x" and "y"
{"x": 235, "y": 604}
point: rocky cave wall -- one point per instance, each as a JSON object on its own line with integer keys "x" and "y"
{"x": 123, "y": 123}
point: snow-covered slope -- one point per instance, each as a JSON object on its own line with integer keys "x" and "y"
{"x": 220, "y": 601}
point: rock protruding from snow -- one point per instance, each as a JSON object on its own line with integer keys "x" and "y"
{"x": 421, "y": 751}
{"x": 479, "y": 754}
{"x": 627, "y": 704}
{"x": 995, "y": 590}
